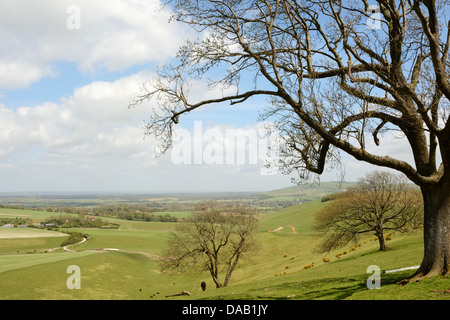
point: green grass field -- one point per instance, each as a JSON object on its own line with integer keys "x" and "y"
{"x": 28, "y": 270}
{"x": 307, "y": 192}
{"x": 35, "y": 215}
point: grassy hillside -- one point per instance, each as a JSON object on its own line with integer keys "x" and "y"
{"x": 279, "y": 271}
{"x": 307, "y": 192}
{"x": 35, "y": 216}
{"x": 276, "y": 272}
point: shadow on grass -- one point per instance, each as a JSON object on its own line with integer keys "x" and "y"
{"x": 325, "y": 289}
{"x": 350, "y": 286}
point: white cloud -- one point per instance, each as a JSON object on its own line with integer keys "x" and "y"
{"x": 392, "y": 144}
{"x": 84, "y": 125}
{"x": 92, "y": 141}
{"x": 15, "y": 74}
{"x": 113, "y": 34}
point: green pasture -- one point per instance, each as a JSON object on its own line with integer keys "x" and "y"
{"x": 34, "y": 215}
{"x": 14, "y": 233}
{"x": 307, "y": 192}
{"x": 277, "y": 271}
{"x": 14, "y": 262}
{"x": 137, "y": 240}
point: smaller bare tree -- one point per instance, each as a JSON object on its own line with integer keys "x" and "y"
{"x": 214, "y": 239}
{"x": 379, "y": 202}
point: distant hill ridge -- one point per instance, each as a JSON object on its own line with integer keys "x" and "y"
{"x": 309, "y": 191}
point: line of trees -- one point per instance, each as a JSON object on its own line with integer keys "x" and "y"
{"x": 80, "y": 220}
{"x": 135, "y": 212}
{"x": 15, "y": 221}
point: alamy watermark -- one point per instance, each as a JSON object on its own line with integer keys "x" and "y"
{"x": 226, "y": 146}
{"x": 73, "y": 21}
{"x": 374, "y": 281}
{"x": 74, "y": 281}
{"x": 374, "y": 20}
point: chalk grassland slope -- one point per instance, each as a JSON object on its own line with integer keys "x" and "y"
{"x": 307, "y": 192}
{"x": 104, "y": 274}
{"x": 30, "y": 269}
{"x": 276, "y": 272}
{"x": 289, "y": 267}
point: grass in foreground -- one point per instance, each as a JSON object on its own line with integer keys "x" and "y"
{"x": 277, "y": 272}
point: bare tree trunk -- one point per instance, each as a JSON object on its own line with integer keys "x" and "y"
{"x": 231, "y": 265}
{"x": 381, "y": 240}
{"x": 228, "y": 275}
{"x": 216, "y": 281}
{"x": 436, "y": 232}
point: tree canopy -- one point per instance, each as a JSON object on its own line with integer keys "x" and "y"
{"x": 215, "y": 240}
{"x": 379, "y": 203}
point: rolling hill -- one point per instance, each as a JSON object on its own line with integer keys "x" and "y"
{"x": 278, "y": 271}
{"x": 308, "y": 192}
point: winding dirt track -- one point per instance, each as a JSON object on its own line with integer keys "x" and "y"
{"x": 147, "y": 254}
{"x": 281, "y": 228}
{"x": 65, "y": 248}
{"x": 292, "y": 229}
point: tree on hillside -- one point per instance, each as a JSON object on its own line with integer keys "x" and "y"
{"x": 379, "y": 203}
{"x": 337, "y": 76}
{"x": 215, "y": 240}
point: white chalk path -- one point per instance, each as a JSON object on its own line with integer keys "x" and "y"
{"x": 149, "y": 255}
{"x": 401, "y": 269}
{"x": 65, "y": 248}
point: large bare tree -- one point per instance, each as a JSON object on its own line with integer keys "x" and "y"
{"x": 335, "y": 74}
{"x": 215, "y": 240}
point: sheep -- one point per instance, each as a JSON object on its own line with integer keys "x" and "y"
{"x": 203, "y": 285}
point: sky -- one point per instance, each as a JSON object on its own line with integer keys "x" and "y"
{"x": 68, "y": 70}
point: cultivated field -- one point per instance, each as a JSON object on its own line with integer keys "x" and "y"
{"x": 17, "y": 233}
